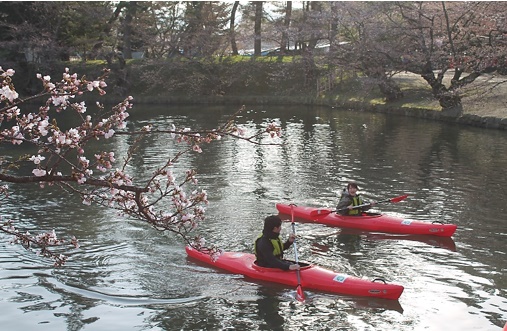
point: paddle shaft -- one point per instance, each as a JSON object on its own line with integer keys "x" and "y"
{"x": 299, "y": 294}
{"x": 320, "y": 212}
{"x": 363, "y": 205}
{"x": 296, "y": 252}
{"x": 397, "y": 199}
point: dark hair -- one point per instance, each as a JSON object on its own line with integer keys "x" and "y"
{"x": 272, "y": 222}
{"x": 352, "y": 184}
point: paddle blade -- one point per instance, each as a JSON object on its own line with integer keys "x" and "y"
{"x": 320, "y": 212}
{"x": 398, "y": 199}
{"x": 300, "y": 295}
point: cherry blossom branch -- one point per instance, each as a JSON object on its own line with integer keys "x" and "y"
{"x": 61, "y": 157}
{"x": 61, "y": 178}
{"x": 40, "y": 243}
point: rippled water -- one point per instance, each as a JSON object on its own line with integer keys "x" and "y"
{"x": 127, "y": 276}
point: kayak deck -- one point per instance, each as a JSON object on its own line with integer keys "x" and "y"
{"x": 369, "y": 222}
{"x": 311, "y": 276}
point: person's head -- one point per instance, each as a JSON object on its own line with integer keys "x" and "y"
{"x": 352, "y": 188}
{"x": 272, "y": 223}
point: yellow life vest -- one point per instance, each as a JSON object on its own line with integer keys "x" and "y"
{"x": 356, "y": 201}
{"x": 277, "y": 247}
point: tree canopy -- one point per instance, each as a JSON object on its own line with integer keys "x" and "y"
{"x": 376, "y": 39}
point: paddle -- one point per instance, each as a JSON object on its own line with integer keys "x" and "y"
{"x": 300, "y": 295}
{"x": 320, "y": 212}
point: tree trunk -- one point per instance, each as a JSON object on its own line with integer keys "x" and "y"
{"x": 232, "y": 29}
{"x": 284, "y": 44}
{"x": 127, "y": 29}
{"x": 333, "y": 33}
{"x": 451, "y": 105}
{"x": 192, "y": 42}
{"x": 449, "y": 101}
{"x": 107, "y": 30}
{"x": 257, "y": 28}
{"x": 315, "y": 6}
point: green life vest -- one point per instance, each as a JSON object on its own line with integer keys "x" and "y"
{"x": 356, "y": 201}
{"x": 277, "y": 247}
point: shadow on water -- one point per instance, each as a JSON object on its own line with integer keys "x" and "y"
{"x": 268, "y": 307}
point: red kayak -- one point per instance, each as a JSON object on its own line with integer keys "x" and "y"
{"x": 369, "y": 221}
{"x": 311, "y": 276}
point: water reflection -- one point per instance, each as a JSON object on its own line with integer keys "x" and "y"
{"x": 355, "y": 236}
{"x": 269, "y": 310}
{"x": 128, "y": 276}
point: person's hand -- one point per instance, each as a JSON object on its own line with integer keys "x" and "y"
{"x": 350, "y": 207}
{"x": 292, "y": 237}
{"x": 294, "y": 267}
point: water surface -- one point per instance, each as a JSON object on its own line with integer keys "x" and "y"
{"x": 127, "y": 276}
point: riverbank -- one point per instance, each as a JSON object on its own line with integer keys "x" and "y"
{"x": 484, "y": 101}
{"x": 253, "y": 83}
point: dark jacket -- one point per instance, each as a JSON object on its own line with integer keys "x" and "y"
{"x": 264, "y": 251}
{"x": 346, "y": 200}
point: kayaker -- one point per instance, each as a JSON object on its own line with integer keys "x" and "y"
{"x": 268, "y": 247}
{"x": 351, "y": 198}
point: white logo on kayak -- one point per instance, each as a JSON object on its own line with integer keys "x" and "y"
{"x": 406, "y": 222}
{"x": 340, "y": 278}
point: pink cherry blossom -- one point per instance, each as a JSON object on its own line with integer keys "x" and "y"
{"x": 37, "y": 159}
{"x": 109, "y": 134}
{"x": 39, "y": 172}
{"x": 7, "y": 93}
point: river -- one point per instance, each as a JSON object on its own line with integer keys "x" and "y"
{"x": 127, "y": 276}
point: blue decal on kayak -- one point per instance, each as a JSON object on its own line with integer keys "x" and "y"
{"x": 340, "y": 278}
{"x": 406, "y": 222}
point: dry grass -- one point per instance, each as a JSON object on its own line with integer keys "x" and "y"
{"x": 487, "y": 96}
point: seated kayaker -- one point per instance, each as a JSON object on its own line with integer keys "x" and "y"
{"x": 351, "y": 198}
{"x": 268, "y": 247}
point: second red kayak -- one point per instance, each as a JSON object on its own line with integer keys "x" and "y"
{"x": 369, "y": 222}
{"x": 312, "y": 276}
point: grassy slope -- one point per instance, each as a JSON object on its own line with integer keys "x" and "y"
{"x": 485, "y": 97}
{"x": 479, "y": 98}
